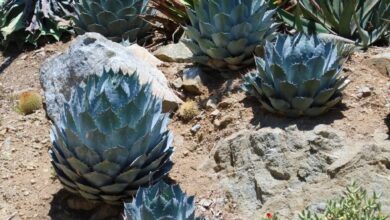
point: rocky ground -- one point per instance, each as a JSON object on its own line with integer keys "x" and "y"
{"x": 238, "y": 161}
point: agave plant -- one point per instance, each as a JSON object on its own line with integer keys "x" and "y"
{"x": 174, "y": 10}
{"x": 363, "y": 21}
{"x": 29, "y": 21}
{"x": 117, "y": 20}
{"x": 111, "y": 138}
{"x": 161, "y": 201}
{"x": 299, "y": 75}
{"x": 170, "y": 19}
{"x": 225, "y": 34}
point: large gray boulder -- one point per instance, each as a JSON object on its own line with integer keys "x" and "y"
{"x": 286, "y": 171}
{"x": 90, "y": 54}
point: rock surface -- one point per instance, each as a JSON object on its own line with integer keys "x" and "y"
{"x": 381, "y": 62}
{"x": 178, "y": 53}
{"x": 89, "y": 54}
{"x": 193, "y": 80}
{"x": 286, "y": 171}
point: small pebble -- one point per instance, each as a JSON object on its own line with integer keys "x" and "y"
{"x": 206, "y": 203}
{"x": 195, "y": 128}
{"x": 364, "y": 92}
{"x": 215, "y": 113}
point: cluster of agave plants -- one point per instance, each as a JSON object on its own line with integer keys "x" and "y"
{"x": 112, "y": 141}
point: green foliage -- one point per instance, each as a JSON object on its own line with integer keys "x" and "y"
{"x": 174, "y": 10}
{"x": 363, "y": 21}
{"x": 225, "y": 34}
{"x": 355, "y": 204}
{"x": 111, "y": 138}
{"x": 161, "y": 201}
{"x": 117, "y": 20}
{"x": 29, "y": 21}
{"x": 299, "y": 75}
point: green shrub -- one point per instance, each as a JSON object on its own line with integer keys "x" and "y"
{"x": 355, "y": 204}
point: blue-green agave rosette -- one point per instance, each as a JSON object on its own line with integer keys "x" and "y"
{"x": 111, "y": 138}
{"x": 299, "y": 75}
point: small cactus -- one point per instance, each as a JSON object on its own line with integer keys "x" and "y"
{"x": 29, "y": 102}
{"x": 188, "y": 110}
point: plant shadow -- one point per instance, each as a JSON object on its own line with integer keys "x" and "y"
{"x": 266, "y": 119}
{"x": 220, "y": 84}
{"x": 60, "y": 210}
{"x": 13, "y": 51}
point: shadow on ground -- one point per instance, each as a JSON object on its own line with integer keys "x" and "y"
{"x": 387, "y": 122}
{"x": 60, "y": 210}
{"x": 266, "y": 119}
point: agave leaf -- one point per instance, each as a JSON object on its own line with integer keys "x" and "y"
{"x": 236, "y": 47}
{"x": 288, "y": 91}
{"x": 106, "y": 17}
{"x": 280, "y": 104}
{"x": 108, "y": 168}
{"x": 128, "y": 176}
{"x": 117, "y": 155}
{"x": 239, "y": 13}
{"x": 322, "y": 97}
{"x": 78, "y": 165}
{"x": 302, "y": 103}
{"x": 116, "y": 188}
{"x": 15, "y": 25}
{"x": 222, "y": 22}
{"x": 68, "y": 172}
{"x": 310, "y": 88}
{"x": 97, "y": 179}
{"x": 88, "y": 195}
{"x": 87, "y": 188}
{"x": 206, "y": 29}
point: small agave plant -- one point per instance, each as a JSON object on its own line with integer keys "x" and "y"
{"x": 224, "y": 34}
{"x": 299, "y": 75}
{"x": 118, "y": 20}
{"x": 111, "y": 138}
{"x": 161, "y": 201}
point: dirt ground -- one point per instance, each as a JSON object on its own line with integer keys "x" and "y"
{"x": 29, "y": 189}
